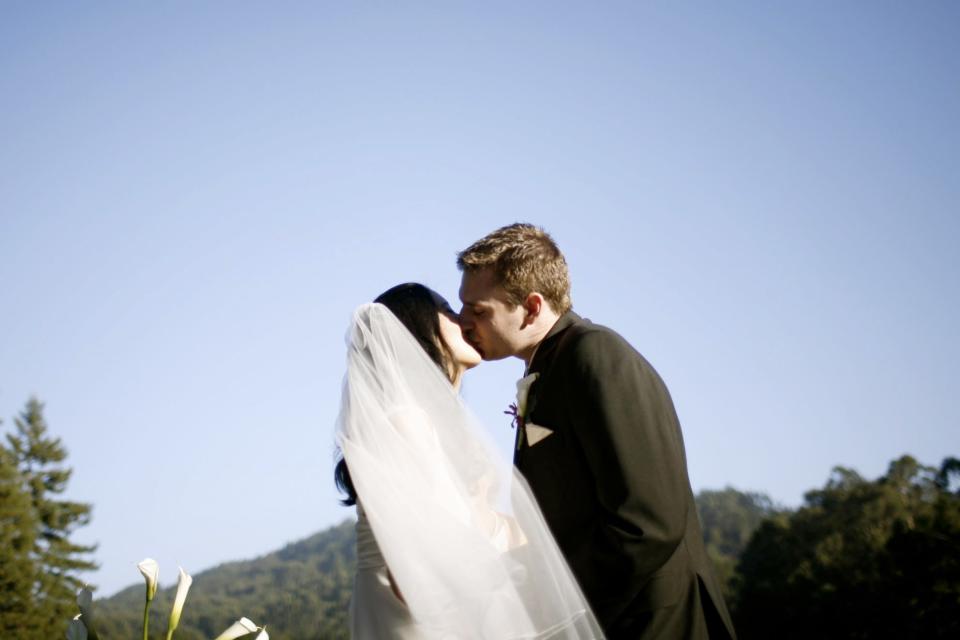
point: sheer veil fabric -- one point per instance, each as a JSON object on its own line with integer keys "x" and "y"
{"x": 429, "y": 482}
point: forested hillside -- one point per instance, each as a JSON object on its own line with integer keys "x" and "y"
{"x": 300, "y": 591}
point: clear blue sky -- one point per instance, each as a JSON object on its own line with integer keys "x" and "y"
{"x": 762, "y": 198}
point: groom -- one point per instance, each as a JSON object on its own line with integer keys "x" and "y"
{"x": 598, "y": 442}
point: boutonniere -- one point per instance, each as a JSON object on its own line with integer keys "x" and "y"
{"x": 519, "y": 409}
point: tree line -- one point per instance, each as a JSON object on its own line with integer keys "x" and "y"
{"x": 859, "y": 558}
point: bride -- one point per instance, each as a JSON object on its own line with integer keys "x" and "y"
{"x": 438, "y": 556}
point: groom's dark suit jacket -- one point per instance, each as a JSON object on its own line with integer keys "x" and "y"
{"x": 612, "y": 483}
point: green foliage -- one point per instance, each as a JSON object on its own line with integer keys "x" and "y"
{"x": 728, "y": 519}
{"x": 18, "y": 531}
{"x": 300, "y": 592}
{"x": 39, "y": 562}
{"x": 860, "y": 559}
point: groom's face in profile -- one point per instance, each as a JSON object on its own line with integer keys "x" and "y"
{"x": 490, "y": 322}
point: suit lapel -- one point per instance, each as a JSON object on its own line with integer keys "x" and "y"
{"x": 542, "y": 360}
{"x": 548, "y": 346}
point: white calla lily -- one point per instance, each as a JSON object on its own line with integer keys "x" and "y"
{"x": 263, "y": 635}
{"x": 241, "y": 627}
{"x": 523, "y": 390}
{"x": 151, "y": 572}
{"x": 183, "y": 586}
{"x": 76, "y": 630}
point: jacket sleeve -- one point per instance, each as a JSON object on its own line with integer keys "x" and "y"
{"x": 624, "y": 422}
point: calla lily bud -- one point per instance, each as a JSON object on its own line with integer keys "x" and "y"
{"x": 84, "y": 598}
{"x": 183, "y": 586}
{"x": 241, "y": 627}
{"x": 151, "y": 571}
{"x": 76, "y": 630}
{"x": 262, "y": 635}
{"x": 85, "y": 602}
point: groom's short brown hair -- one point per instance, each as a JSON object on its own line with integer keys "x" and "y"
{"x": 524, "y": 258}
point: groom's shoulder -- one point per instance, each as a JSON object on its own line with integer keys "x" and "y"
{"x": 588, "y": 339}
{"x": 594, "y": 349}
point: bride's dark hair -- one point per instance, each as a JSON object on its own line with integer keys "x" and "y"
{"x": 417, "y": 307}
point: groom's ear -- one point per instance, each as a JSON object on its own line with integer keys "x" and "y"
{"x": 532, "y": 306}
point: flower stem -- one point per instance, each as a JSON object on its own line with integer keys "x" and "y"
{"x": 146, "y": 615}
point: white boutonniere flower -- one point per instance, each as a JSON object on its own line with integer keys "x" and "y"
{"x": 523, "y": 390}
{"x": 519, "y": 408}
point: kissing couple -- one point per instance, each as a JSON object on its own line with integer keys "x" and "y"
{"x": 590, "y": 532}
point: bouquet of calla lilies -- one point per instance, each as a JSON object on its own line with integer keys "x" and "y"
{"x": 83, "y": 625}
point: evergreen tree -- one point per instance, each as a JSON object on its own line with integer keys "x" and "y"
{"x": 38, "y": 459}
{"x": 18, "y": 530}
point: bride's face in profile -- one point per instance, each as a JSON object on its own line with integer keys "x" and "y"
{"x": 464, "y": 355}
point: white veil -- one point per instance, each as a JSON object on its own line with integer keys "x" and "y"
{"x": 429, "y": 482}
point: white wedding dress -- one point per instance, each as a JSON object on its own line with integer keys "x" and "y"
{"x": 375, "y": 612}
{"x": 456, "y": 524}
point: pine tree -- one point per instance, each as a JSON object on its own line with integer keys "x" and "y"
{"x": 18, "y": 530}
{"x": 56, "y": 560}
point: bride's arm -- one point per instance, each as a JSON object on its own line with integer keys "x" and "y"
{"x": 503, "y": 531}
{"x": 477, "y": 503}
